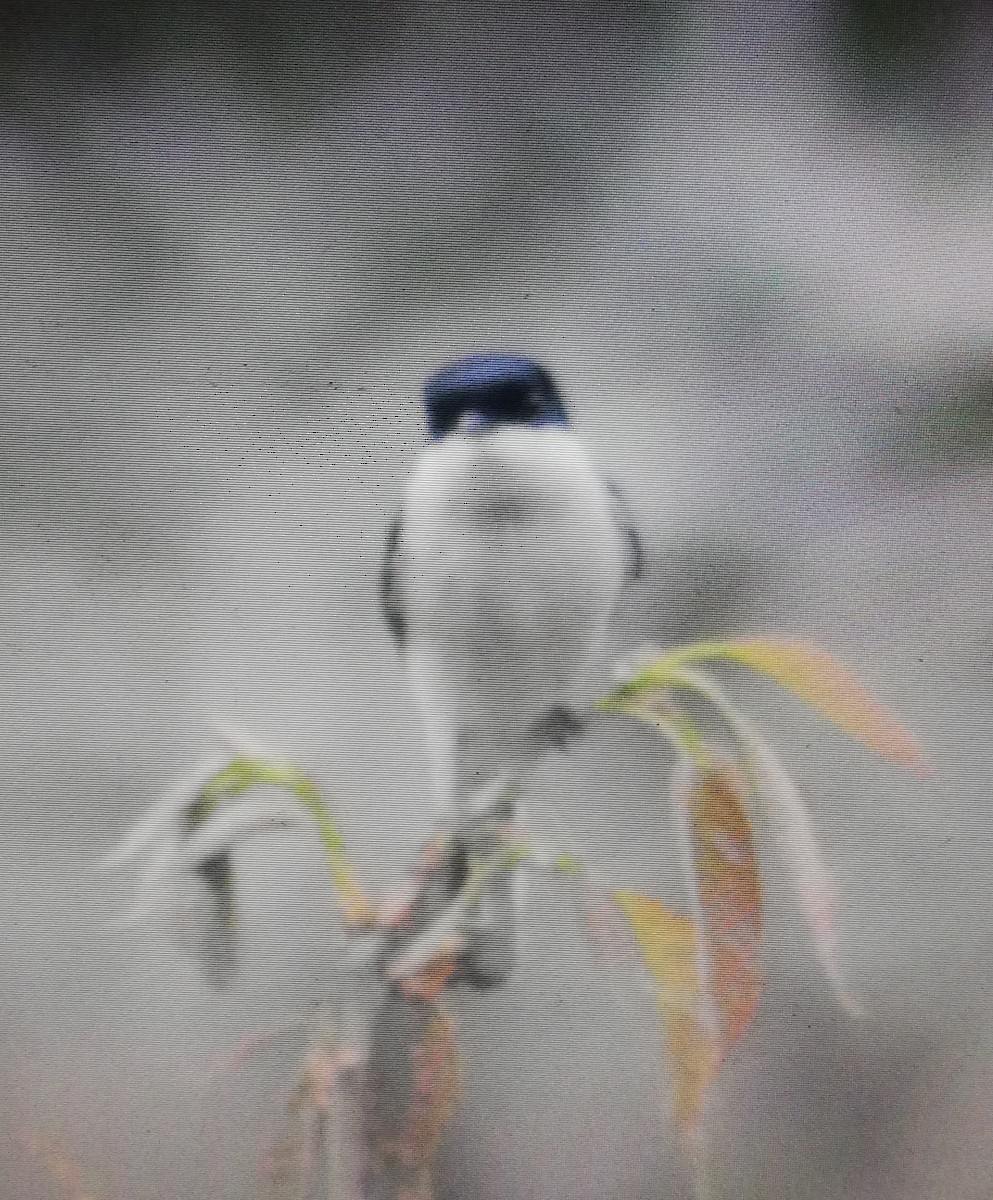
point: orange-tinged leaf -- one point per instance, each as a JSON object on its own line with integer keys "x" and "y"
{"x": 668, "y": 943}
{"x": 792, "y": 828}
{"x": 429, "y": 981}
{"x": 709, "y": 971}
{"x": 826, "y": 685}
{"x": 729, "y": 893}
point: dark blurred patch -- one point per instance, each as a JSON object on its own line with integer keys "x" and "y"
{"x": 946, "y": 431}
{"x": 292, "y": 44}
{"x": 897, "y": 39}
{"x": 216, "y": 941}
{"x": 707, "y": 588}
{"x": 923, "y": 64}
{"x": 97, "y": 240}
{"x": 86, "y": 36}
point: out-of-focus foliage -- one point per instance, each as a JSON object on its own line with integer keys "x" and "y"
{"x": 708, "y": 970}
{"x": 807, "y": 671}
{"x": 186, "y": 842}
{"x": 670, "y": 947}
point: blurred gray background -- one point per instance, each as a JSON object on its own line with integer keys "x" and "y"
{"x": 755, "y": 243}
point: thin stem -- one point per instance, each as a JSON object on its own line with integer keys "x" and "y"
{"x": 242, "y": 773}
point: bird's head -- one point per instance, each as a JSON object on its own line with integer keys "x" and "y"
{"x": 485, "y": 390}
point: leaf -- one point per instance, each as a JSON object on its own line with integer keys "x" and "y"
{"x": 813, "y": 882}
{"x": 161, "y": 816}
{"x": 668, "y": 943}
{"x": 654, "y": 706}
{"x": 231, "y": 821}
{"x": 243, "y": 772}
{"x": 186, "y": 841}
{"x": 729, "y": 893}
{"x": 810, "y": 673}
{"x": 708, "y": 970}
{"x": 789, "y": 821}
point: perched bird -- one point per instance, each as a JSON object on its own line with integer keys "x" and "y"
{"x": 498, "y": 582}
{"x": 502, "y": 571}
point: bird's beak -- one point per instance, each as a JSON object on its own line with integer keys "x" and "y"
{"x": 473, "y": 422}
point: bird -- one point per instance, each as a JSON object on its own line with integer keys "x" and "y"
{"x": 502, "y": 571}
{"x": 498, "y": 581}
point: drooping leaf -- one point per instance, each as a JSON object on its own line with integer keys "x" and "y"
{"x": 242, "y": 773}
{"x": 791, "y": 826}
{"x": 232, "y": 820}
{"x": 653, "y": 705}
{"x": 729, "y": 894}
{"x": 161, "y": 817}
{"x": 789, "y": 821}
{"x": 668, "y": 943}
{"x": 186, "y": 839}
{"x": 707, "y": 969}
{"x": 808, "y": 672}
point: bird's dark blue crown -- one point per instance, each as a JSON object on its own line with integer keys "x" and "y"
{"x": 497, "y": 389}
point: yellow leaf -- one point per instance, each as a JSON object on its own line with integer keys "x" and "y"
{"x": 708, "y": 972}
{"x": 668, "y": 943}
{"x": 809, "y": 673}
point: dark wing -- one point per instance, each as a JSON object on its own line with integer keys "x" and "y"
{"x": 390, "y": 583}
{"x": 626, "y": 527}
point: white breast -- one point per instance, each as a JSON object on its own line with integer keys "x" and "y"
{"x": 511, "y": 565}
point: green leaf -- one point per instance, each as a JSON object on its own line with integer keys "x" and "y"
{"x": 651, "y": 705}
